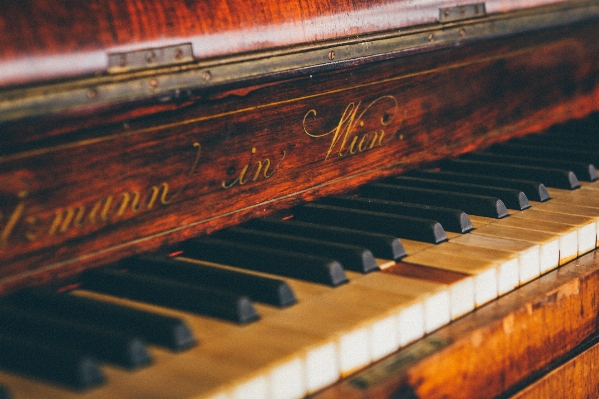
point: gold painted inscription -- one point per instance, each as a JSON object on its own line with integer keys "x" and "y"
{"x": 359, "y": 129}
{"x": 254, "y": 170}
{"x": 31, "y": 225}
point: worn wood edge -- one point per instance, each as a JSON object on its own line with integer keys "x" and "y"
{"x": 568, "y": 375}
{"x": 110, "y": 89}
{"x": 575, "y": 376}
{"x": 494, "y": 349}
{"x": 214, "y": 28}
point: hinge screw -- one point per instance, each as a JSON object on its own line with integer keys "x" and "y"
{"x": 150, "y": 57}
{"x": 331, "y": 55}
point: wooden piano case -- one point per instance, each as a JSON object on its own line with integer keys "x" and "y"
{"x": 127, "y": 127}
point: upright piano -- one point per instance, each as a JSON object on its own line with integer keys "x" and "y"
{"x": 331, "y": 199}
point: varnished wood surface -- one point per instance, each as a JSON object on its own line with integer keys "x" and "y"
{"x": 56, "y": 39}
{"x": 491, "y": 351}
{"x": 69, "y": 189}
{"x": 574, "y": 378}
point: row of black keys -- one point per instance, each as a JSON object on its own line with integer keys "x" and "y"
{"x": 37, "y": 326}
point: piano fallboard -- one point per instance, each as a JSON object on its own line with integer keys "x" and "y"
{"x": 84, "y": 187}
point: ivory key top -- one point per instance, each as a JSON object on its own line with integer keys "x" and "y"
{"x": 528, "y": 252}
{"x": 460, "y": 285}
{"x": 506, "y": 261}
{"x": 548, "y": 243}
{"x": 433, "y": 301}
{"x": 566, "y": 234}
{"x": 586, "y": 226}
{"x": 483, "y": 272}
{"x": 508, "y": 275}
{"x": 572, "y": 209}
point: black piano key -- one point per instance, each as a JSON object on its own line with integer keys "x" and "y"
{"x": 453, "y": 220}
{"x": 470, "y": 203}
{"x": 59, "y": 365}
{"x": 4, "y": 393}
{"x": 262, "y": 289}
{"x": 401, "y": 226}
{"x": 566, "y": 134}
{"x": 557, "y": 178}
{"x": 352, "y": 257}
{"x": 166, "y": 331}
{"x": 584, "y": 171}
{"x": 534, "y": 190}
{"x": 585, "y": 143}
{"x": 382, "y": 245}
{"x": 513, "y": 199}
{"x": 104, "y": 344}
{"x": 200, "y": 300}
{"x": 576, "y": 128}
{"x": 283, "y": 263}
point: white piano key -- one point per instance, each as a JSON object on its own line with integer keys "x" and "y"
{"x": 571, "y": 209}
{"x": 483, "y": 272}
{"x": 411, "y": 324}
{"x": 252, "y": 389}
{"x": 461, "y": 296}
{"x": 529, "y": 253}
{"x": 460, "y": 288}
{"x": 586, "y": 233}
{"x": 506, "y": 261}
{"x": 567, "y": 235}
{"x": 549, "y": 249}
{"x": 433, "y": 297}
{"x": 321, "y": 367}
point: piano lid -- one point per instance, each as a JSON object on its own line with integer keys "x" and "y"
{"x": 51, "y": 39}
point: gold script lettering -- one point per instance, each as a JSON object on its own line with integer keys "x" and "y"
{"x": 256, "y": 168}
{"x": 346, "y": 137}
{"x": 13, "y": 219}
{"x": 31, "y": 227}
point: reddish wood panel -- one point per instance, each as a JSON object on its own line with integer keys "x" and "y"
{"x": 93, "y": 196}
{"x": 576, "y": 378}
{"x": 497, "y": 347}
{"x": 43, "y": 39}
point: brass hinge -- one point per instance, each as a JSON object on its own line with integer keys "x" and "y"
{"x": 150, "y": 58}
{"x": 458, "y": 13}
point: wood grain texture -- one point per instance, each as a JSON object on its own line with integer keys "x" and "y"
{"x": 574, "y": 378}
{"x": 77, "y": 197}
{"x": 55, "y": 39}
{"x": 491, "y": 351}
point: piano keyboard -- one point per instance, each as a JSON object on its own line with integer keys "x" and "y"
{"x": 283, "y": 308}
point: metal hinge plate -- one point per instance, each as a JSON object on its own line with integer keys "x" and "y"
{"x": 458, "y": 13}
{"x": 150, "y": 58}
